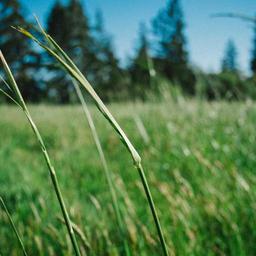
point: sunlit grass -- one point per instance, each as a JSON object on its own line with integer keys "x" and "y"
{"x": 15, "y": 95}
{"x": 54, "y": 50}
{"x": 201, "y": 165}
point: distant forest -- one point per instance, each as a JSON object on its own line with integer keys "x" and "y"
{"x": 158, "y": 66}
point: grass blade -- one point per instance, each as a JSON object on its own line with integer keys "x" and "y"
{"x": 9, "y": 96}
{"x": 79, "y": 233}
{"x": 74, "y": 72}
{"x": 12, "y": 84}
{"x": 234, "y": 15}
{"x": 13, "y": 227}
{"x": 104, "y": 163}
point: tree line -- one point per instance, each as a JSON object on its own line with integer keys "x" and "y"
{"x": 161, "y": 63}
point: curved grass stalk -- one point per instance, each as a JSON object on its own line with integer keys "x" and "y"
{"x": 55, "y": 51}
{"x": 13, "y": 227}
{"x": 104, "y": 163}
{"x": 240, "y": 16}
{"x": 20, "y": 102}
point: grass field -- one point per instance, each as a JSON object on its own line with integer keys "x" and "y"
{"x": 199, "y": 159}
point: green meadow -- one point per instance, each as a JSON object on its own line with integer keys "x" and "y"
{"x": 199, "y": 158}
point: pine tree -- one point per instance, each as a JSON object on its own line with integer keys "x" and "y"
{"x": 229, "y": 62}
{"x": 69, "y": 25}
{"x": 230, "y": 82}
{"x": 139, "y": 68}
{"x": 169, "y": 27}
{"x": 80, "y": 41}
{"x": 23, "y": 60}
{"x": 108, "y": 75}
{"x": 57, "y": 26}
{"x": 172, "y": 56}
{"x": 253, "y": 57}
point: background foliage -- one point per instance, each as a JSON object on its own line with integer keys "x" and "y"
{"x": 155, "y": 61}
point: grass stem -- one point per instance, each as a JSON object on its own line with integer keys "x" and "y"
{"x": 68, "y": 65}
{"x": 104, "y": 164}
{"x": 13, "y": 227}
{"x": 12, "y": 84}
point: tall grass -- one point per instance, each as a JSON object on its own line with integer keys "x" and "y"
{"x": 203, "y": 178}
{"x": 55, "y": 51}
{"x": 104, "y": 164}
{"x": 13, "y": 227}
{"x": 18, "y": 99}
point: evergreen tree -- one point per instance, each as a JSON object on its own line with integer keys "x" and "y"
{"x": 169, "y": 27}
{"x": 230, "y": 82}
{"x": 253, "y": 57}
{"x": 172, "y": 56}
{"x": 108, "y": 75}
{"x": 69, "y": 25}
{"x": 229, "y": 62}
{"x": 57, "y": 26}
{"x": 80, "y": 41}
{"x": 18, "y": 51}
{"x": 140, "y": 68}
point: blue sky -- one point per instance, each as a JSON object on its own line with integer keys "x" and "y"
{"x": 206, "y": 36}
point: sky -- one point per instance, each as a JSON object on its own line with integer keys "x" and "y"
{"x": 206, "y": 36}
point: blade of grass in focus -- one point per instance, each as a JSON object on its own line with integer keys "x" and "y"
{"x": 55, "y": 51}
{"x": 20, "y": 102}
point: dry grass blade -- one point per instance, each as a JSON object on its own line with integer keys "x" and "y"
{"x": 13, "y": 227}
{"x": 141, "y": 128}
{"x": 80, "y": 234}
{"x": 55, "y": 51}
{"x": 20, "y": 101}
{"x": 74, "y": 72}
